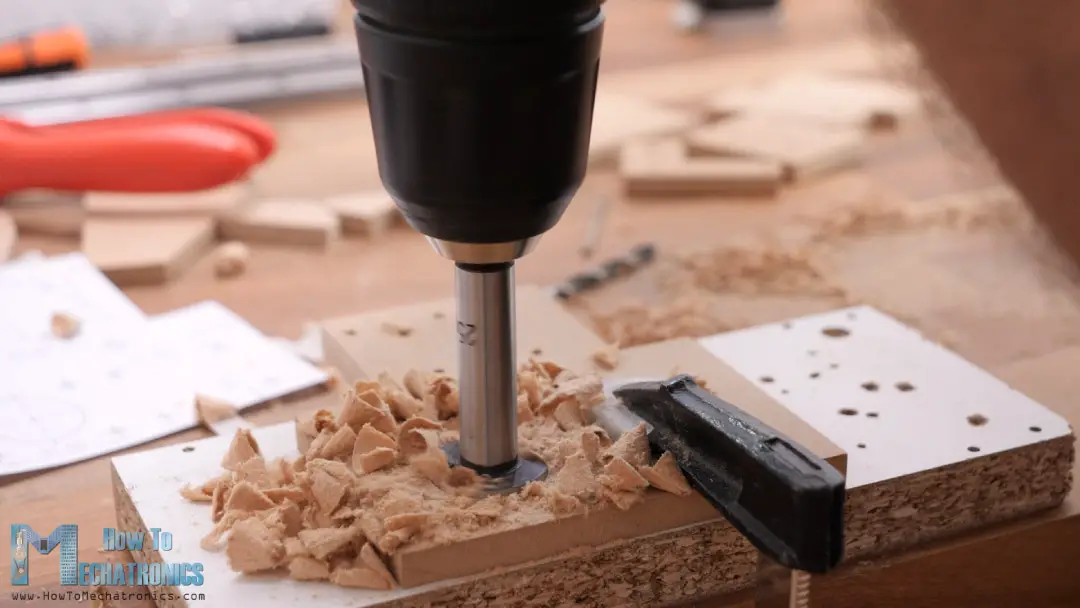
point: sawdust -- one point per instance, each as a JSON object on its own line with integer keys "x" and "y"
{"x": 606, "y": 357}
{"x": 64, "y": 325}
{"x": 692, "y": 285}
{"x": 372, "y": 481}
{"x": 210, "y": 411}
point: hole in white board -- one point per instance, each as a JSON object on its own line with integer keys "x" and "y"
{"x": 1035, "y": 429}
{"x": 836, "y": 332}
{"x": 439, "y": 315}
{"x": 851, "y": 316}
{"x": 812, "y": 353}
{"x": 189, "y": 449}
{"x": 870, "y": 386}
{"x": 783, "y": 391}
{"x": 439, "y": 370}
{"x": 786, "y": 326}
{"x": 977, "y": 420}
{"x": 537, "y": 352}
{"x": 350, "y": 332}
{"x": 834, "y": 366}
{"x": 766, "y": 379}
{"x": 871, "y": 414}
{"x": 847, "y": 411}
{"x": 860, "y": 445}
{"x": 815, "y": 375}
{"x": 973, "y": 448}
{"x": 905, "y": 387}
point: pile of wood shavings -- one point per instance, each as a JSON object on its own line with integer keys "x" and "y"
{"x": 373, "y": 480}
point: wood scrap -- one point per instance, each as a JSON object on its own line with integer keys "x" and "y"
{"x": 218, "y": 416}
{"x": 365, "y": 213}
{"x": 45, "y": 213}
{"x": 212, "y": 202}
{"x": 282, "y": 222}
{"x": 665, "y": 167}
{"x": 9, "y": 235}
{"x": 146, "y": 251}
{"x": 804, "y": 149}
{"x": 619, "y": 118}
{"x": 823, "y": 98}
{"x": 64, "y": 326}
{"x": 231, "y": 259}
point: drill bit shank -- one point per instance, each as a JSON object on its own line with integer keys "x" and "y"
{"x": 487, "y": 378}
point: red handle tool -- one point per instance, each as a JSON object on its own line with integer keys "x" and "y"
{"x": 175, "y": 151}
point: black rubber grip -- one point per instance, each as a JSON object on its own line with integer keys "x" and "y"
{"x": 787, "y": 501}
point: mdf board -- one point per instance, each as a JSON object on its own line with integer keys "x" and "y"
{"x": 619, "y": 118}
{"x": 46, "y": 213}
{"x": 282, "y": 222}
{"x": 659, "y": 167}
{"x": 365, "y": 213}
{"x": 644, "y": 555}
{"x": 146, "y": 251}
{"x": 423, "y": 337}
{"x": 804, "y": 149}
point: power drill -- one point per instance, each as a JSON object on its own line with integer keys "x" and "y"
{"x": 481, "y": 114}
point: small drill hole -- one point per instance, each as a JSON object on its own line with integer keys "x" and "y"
{"x": 537, "y": 352}
{"x": 1035, "y": 429}
{"x": 870, "y": 386}
{"x": 783, "y": 391}
{"x": 973, "y": 448}
{"x": 786, "y": 326}
{"x": 812, "y": 353}
{"x": 851, "y": 316}
{"x": 861, "y": 446}
{"x": 189, "y": 449}
{"x": 815, "y": 375}
{"x": 439, "y": 370}
{"x": 439, "y": 315}
{"x": 834, "y": 366}
{"x": 350, "y": 332}
{"x": 767, "y": 379}
{"x": 847, "y": 411}
{"x": 836, "y": 332}
{"x": 977, "y": 420}
{"x": 871, "y": 414}
{"x": 905, "y": 387}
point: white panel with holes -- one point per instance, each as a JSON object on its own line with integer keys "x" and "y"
{"x": 122, "y": 379}
{"x": 896, "y": 402}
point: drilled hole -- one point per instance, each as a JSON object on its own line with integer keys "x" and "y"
{"x": 977, "y": 420}
{"x": 1035, "y": 429}
{"x": 847, "y": 411}
{"x": 767, "y": 379}
{"x": 189, "y": 449}
{"x": 870, "y": 386}
{"x": 783, "y": 391}
{"x": 439, "y": 370}
{"x": 851, "y": 316}
{"x": 350, "y": 332}
{"x": 834, "y": 366}
{"x": 973, "y": 448}
{"x": 861, "y": 446}
{"x": 439, "y": 315}
{"x": 905, "y": 387}
{"x": 537, "y": 352}
{"x": 812, "y": 353}
{"x": 786, "y": 326}
{"x": 815, "y": 375}
{"x": 871, "y": 414}
{"x": 836, "y": 332}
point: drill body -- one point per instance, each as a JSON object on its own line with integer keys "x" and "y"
{"x": 481, "y": 114}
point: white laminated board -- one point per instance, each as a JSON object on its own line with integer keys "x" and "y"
{"x": 896, "y": 402}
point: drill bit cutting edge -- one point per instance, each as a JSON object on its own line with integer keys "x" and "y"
{"x": 481, "y": 121}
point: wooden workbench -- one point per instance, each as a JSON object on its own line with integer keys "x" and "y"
{"x": 1030, "y": 335}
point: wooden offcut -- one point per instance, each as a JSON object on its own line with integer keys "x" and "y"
{"x": 146, "y": 251}
{"x": 282, "y": 222}
{"x": 652, "y": 167}
{"x": 803, "y": 148}
{"x": 365, "y": 213}
{"x": 618, "y": 119}
{"x": 201, "y": 203}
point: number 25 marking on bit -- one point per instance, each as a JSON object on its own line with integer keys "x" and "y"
{"x": 466, "y": 333}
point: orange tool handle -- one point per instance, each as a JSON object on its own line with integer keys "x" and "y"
{"x": 261, "y": 134}
{"x": 45, "y": 51}
{"x": 159, "y": 158}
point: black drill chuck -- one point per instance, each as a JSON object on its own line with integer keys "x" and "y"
{"x": 481, "y": 110}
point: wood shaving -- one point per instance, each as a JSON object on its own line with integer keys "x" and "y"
{"x": 210, "y": 411}
{"x": 64, "y": 325}
{"x": 607, "y": 357}
{"x": 665, "y": 475}
{"x": 231, "y": 259}
{"x": 372, "y": 481}
{"x": 396, "y": 329}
